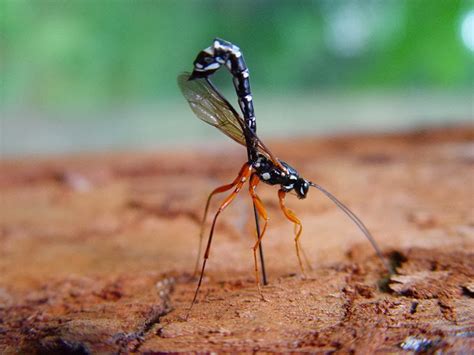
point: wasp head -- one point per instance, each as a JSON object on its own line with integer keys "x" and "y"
{"x": 301, "y": 188}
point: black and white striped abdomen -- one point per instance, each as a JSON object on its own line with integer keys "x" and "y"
{"x": 225, "y": 53}
{"x": 236, "y": 64}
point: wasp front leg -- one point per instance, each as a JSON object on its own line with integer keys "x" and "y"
{"x": 298, "y": 230}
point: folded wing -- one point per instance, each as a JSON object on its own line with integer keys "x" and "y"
{"x": 211, "y": 107}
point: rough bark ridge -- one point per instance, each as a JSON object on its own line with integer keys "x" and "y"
{"x": 96, "y": 252}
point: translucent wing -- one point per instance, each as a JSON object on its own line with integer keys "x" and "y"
{"x": 209, "y": 106}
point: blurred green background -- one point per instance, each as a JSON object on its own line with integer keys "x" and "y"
{"x": 100, "y": 75}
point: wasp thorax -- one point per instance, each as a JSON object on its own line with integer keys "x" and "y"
{"x": 288, "y": 179}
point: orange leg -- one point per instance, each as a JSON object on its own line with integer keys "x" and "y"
{"x": 254, "y": 180}
{"x": 305, "y": 257}
{"x": 218, "y": 190}
{"x": 298, "y": 229}
{"x": 242, "y": 178}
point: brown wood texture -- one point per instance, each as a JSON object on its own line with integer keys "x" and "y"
{"x": 97, "y": 251}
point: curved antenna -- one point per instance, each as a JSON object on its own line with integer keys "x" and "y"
{"x": 358, "y": 222}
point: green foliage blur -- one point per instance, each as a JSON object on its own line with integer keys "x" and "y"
{"x": 75, "y": 53}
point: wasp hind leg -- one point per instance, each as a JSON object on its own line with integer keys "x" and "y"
{"x": 254, "y": 180}
{"x": 218, "y": 190}
{"x": 241, "y": 179}
{"x": 298, "y": 229}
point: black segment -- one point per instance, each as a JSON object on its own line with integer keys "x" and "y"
{"x": 226, "y": 52}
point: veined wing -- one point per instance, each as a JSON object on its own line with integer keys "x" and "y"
{"x": 211, "y": 107}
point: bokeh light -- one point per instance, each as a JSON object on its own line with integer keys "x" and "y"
{"x": 467, "y": 30}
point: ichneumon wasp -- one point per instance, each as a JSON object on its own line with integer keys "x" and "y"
{"x": 262, "y": 166}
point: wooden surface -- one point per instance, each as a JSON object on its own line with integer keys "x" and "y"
{"x": 97, "y": 251}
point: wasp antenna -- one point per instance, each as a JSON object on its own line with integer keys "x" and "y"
{"x": 358, "y": 222}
